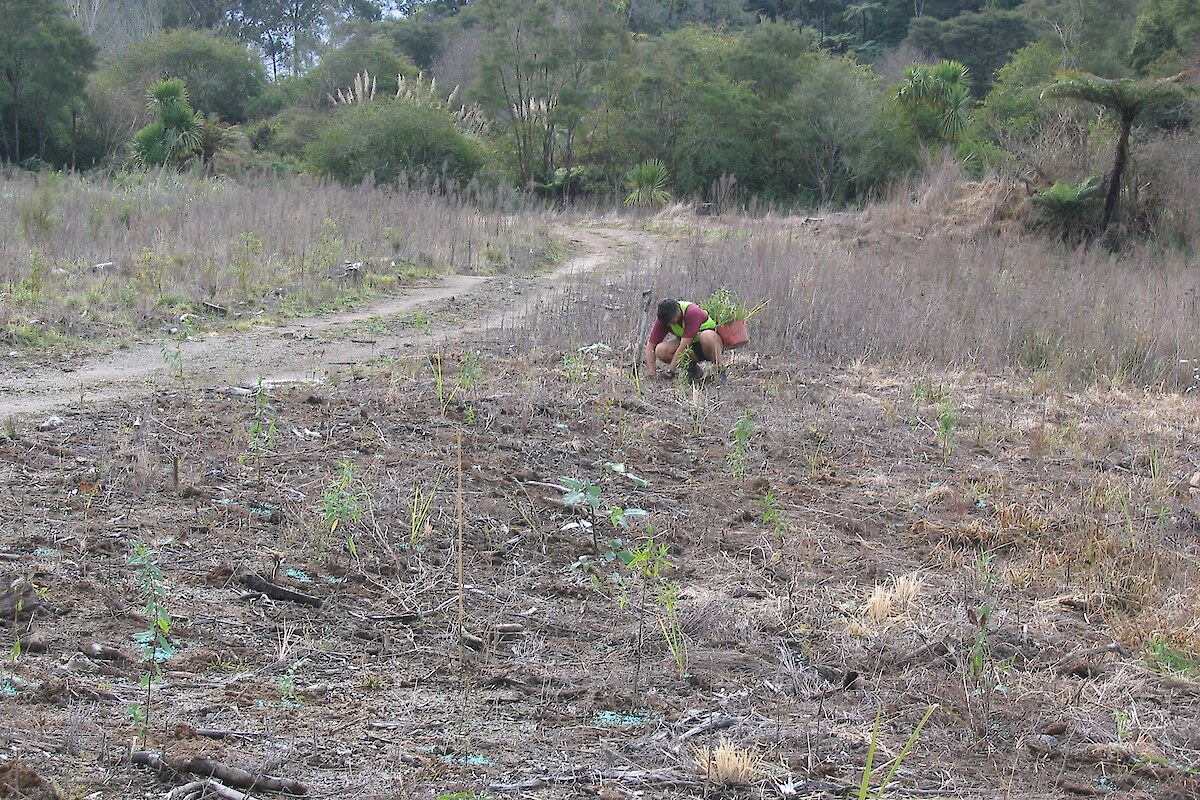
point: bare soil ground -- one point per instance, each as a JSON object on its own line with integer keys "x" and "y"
{"x": 858, "y": 559}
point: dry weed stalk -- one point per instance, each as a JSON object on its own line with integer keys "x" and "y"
{"x": 729, "y": 765}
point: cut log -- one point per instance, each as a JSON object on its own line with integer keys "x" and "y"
{"x": 258, "y": 583}
{"x": 233, "y": 776}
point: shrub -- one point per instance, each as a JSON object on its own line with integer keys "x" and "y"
{"x": 221, "y": 74}
{"x": 390, "y": 139}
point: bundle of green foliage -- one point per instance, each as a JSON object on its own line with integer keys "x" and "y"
{"x": 725, "y": 306}
{"x": 1070, "y": 208}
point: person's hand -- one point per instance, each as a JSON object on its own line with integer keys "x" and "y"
{"x": 668, "y": 373}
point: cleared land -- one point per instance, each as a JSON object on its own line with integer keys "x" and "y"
{"x": 838, "y": 545}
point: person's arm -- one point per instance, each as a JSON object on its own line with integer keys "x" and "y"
{"x": 649, "y": 359}
{"x": 693, "y": 318}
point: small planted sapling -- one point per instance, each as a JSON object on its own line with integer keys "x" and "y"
{"x": 741, "y": 432}
{"x": 470, "y": 372}
{"x": 772, "y": 517}
{"x": 419, "y": 508}
{"x": 341, "y": 505}
{"x": 156, "y": 639}
{"x": 261, "y": 433}
{"x": 583, "y": 494}
{"x": 947, "y": 417}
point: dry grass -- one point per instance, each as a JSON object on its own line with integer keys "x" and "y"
{"x": 890, "y": 604}
{"x": 729, "y": 765}
{"x": 98, "y": 258}
{"x": 936, "y": 278}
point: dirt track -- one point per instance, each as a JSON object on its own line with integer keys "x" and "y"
{"x": 309, "y": 349}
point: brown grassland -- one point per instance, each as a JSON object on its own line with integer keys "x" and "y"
{"x": 935, "y": 536}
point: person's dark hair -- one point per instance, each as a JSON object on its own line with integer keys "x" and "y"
{"x": 667, "y": 310}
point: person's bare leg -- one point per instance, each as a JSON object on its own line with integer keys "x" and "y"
{"x": 714, "y": 348}
{"x": 665, "y": 350}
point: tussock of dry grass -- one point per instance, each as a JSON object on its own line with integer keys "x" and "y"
{"x": 892, "y": 603}
{"x": 729, "y": 765}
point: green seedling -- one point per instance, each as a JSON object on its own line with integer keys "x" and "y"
{"x": 772, "y": 517}
{"x": 341, "y": 505}
{"x": 741, "y": 432}
{"x": 672, "y": 628}
{"x": 470, "y": 371}
{"x": 947, "y": 417}
{"x": 582, "y": 493}
{"x": 262, "y": 433}
{"x": 419, "y": 508}
{"x": 155, "y": 640}
{"x": 865, "y": 792}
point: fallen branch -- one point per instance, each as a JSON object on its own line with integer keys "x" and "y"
{"x": 202, "y": 790}
{"x": 258, "y": 583}
{"x": 715, "y": 722}
{"x": 1076, "y": 663}
{"x": 217, "y": 733}
{"x": 234, "y": 776}
{"x": 636, "y": 777}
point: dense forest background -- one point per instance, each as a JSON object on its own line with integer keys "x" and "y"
{"x": 790, "y": 102}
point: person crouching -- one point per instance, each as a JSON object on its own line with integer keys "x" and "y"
{"x": 692, "y": 329}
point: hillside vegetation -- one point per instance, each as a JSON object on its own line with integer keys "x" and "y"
{"x": 741, "y": 102}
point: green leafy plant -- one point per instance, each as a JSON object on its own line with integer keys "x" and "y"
{"x": 576, "y": 369}
{"x": 813, "y": 459}
{"x": 741, "y": 432}
{"x": 341, "y": 505}
{"x": 156, "y": 639}
{"x": 419, "y": 508}
{"x": 1167, "y": 659}
{"x": 724, "y": 306}
{"x": 772, "y": 517}
{"x": 927, "y": 392}
{"x": 421, "y": 320}
{"x": 1068, "y": 206}
{"x": 470, "y": 371}
{"x": 582, "y": 493}
{"x": 261, "y": 434}
{"x": 672, "y": 628}
{"x": 172, "y": 348}
{"x": 173, "y": 135}
{"x": 649, "y": 561}
{"x": 947, "y": 417}
{"x": 582, "y": 365}
{"x": 648, "y": 184}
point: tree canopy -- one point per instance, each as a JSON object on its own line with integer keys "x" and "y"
{"x": 44, "y": 60}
